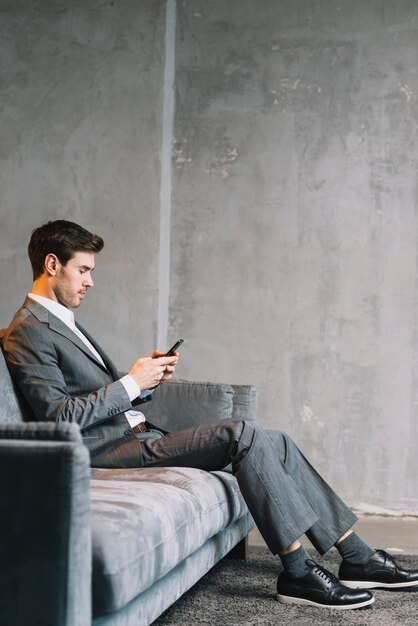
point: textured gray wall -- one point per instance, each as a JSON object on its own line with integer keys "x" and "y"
{"x": 80, "y": 131}
{"x": 294, "y": 223}
{"x": 294, "y": 239}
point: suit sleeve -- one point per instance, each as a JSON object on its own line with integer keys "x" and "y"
{"x": 53, "y": 382}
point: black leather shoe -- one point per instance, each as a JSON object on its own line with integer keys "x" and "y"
{"x": 380, "y": 572}
{"x": 320, "y": 588}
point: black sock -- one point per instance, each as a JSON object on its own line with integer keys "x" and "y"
{"x": 297, "y": 563}
{"x": 354, "y": 549}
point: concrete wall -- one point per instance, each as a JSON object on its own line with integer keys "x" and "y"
{"x": 80, "y": 132}
{"x": 295, "y": 225}
{"x": 293, "y": 212}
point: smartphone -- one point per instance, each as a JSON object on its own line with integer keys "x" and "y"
{"x": 173, "y": 349}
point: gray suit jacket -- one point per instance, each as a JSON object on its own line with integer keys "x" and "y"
{"x": 61, "y": 380}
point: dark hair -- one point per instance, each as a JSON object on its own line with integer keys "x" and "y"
{"x": 61, "y": 238}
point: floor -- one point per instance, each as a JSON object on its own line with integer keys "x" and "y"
{"x": 396, "y": 535}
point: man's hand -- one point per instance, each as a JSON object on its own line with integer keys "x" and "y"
{"x": 153, "y": 369}
{"x": 169, "y": 370}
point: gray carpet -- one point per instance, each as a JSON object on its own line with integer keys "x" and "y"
{"x": 242, "y": 593}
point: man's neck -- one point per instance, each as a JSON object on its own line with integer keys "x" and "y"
{"x": 42, "y": 288}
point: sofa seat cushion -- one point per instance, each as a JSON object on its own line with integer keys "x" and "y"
{"x": 146, "y": 521}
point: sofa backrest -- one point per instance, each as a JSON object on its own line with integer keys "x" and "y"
{"x": 12, "y": 406}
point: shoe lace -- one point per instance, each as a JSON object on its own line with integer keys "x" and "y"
{"x": 322, "y": 572}
{"x": 387, "y": 557}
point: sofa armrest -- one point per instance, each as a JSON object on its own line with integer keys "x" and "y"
{"x": 43, "y": 431}
{"x": 178, "y": 404}
{"x": 45, "y": 533}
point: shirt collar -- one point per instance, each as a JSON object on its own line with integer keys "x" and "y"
{"x": 57, "y": 309}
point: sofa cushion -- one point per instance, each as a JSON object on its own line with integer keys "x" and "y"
{"x": 146, "y": 521}
{"x": 180, "y": 403}
{"x": 244, "y": 402}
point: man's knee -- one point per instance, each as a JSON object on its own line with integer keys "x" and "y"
{"x": 245, "y": 427}
{"x": 247, "y": 431}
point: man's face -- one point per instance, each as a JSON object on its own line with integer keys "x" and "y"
{"x": 73, "y": 280}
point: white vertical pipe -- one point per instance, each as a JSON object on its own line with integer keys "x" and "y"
{"x": 165, "y": 184}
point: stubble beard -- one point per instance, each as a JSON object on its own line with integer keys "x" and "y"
{"x": 67, "y": 298}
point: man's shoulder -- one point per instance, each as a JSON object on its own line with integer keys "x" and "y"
{"x": 26, "y": 319}
{"x": 31, "y": 312}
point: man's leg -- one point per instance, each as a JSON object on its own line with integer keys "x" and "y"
{"x": 283, "y": 506}
{"x": 287, "y": 498}
{"x": 334, "y": 518}
{"x": 284, "y": 494}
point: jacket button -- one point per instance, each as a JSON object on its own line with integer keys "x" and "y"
{"x": 128, "y": 432}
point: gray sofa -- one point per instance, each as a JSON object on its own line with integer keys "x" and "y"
{"x": 81, "y": 546}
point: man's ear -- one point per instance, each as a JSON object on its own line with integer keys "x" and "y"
{"x": 51, "y": 264}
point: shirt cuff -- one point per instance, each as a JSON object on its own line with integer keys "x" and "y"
{"x": 131, "y": 387}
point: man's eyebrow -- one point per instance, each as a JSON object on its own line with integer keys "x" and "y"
{"x": 86, "y": 268}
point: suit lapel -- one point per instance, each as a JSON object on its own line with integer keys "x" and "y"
{"x": 57, "y": 326}
{"x": 109, "y": 365}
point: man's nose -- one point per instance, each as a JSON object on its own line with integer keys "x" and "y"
{"x": 89, "y": 282}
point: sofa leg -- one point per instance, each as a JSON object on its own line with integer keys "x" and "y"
{"x": 240, "y": 551}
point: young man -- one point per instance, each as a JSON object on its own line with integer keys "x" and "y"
{"x": 65, "y": 376}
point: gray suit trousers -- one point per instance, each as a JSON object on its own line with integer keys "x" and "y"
{"x": 285, "y": 495}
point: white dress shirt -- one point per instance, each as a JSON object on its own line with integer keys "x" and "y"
{"x": 67, "y": 317}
